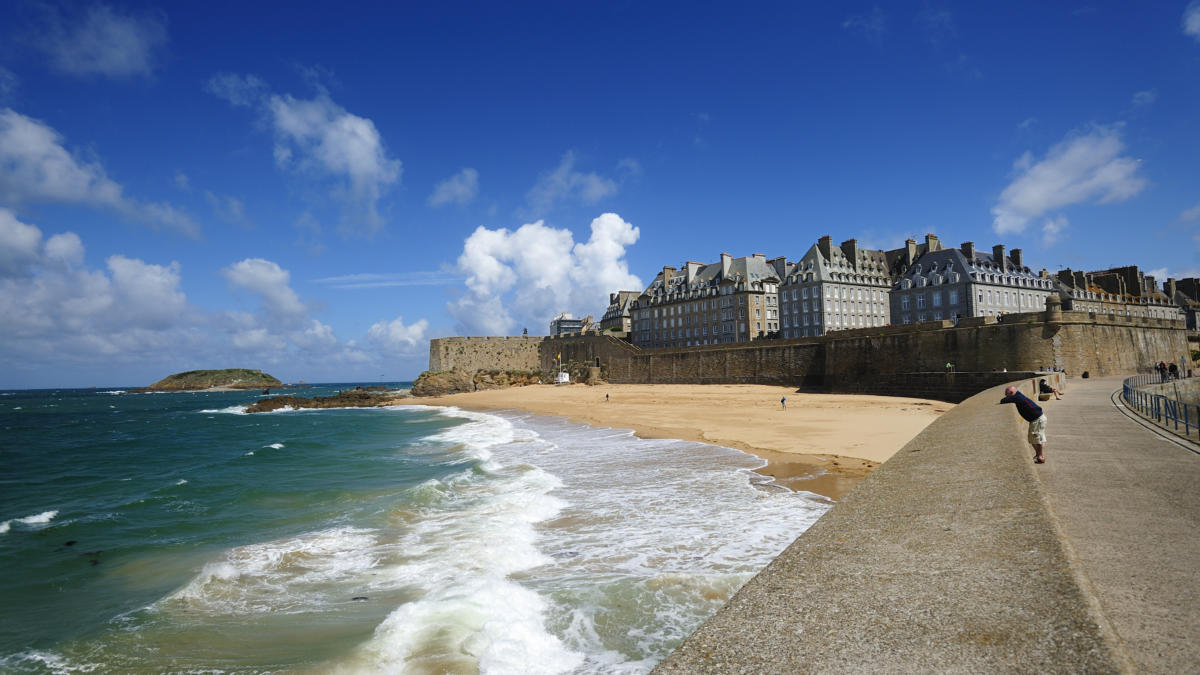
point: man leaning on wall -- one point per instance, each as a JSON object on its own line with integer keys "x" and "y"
{"x": 1031, "y": 413}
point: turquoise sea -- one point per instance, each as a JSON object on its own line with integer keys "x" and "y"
{"x": 174, "y": 533}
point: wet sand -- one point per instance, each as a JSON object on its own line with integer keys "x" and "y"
{"x": 822, "y": 443}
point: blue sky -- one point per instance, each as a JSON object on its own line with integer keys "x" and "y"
{"x": 319, "y": 191}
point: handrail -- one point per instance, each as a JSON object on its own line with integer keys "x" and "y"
{"x": 1160, "y": 409}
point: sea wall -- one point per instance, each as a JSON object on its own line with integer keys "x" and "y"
{"x": 484, "y": 353}
{"x": 881, "y": 360}
{"x": 944, "y": 559}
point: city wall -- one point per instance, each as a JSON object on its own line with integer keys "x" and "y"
{"x": 484, "y": 353}
{"x": 886, "y": 360}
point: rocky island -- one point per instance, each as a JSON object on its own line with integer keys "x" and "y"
{"x": 358, "y": 397}
{"x": 202, "y": 380}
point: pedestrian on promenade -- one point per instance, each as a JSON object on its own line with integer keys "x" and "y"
{"x": 1032, "y": 413}
{"x": 1045, "y": 387}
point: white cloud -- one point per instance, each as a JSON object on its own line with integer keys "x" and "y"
{"x": 1082, "y": 168}
{"x": 1191, "y": 19}
{"x": 1144, "y": 99}
{"x": 271, "y": 283}
{"x": 8, "y": 83}
{"x": 1190, "y": 215}
{"x": 1052, "y": 230}
{"x": 529, "y": 275}
{"x": 320, "y": 138}
{"x": 35, "y": 167}
{"x": 390, "y": 279}
{"x": 20, "y": 244}
{"x": 564, "y": 183}
{"x": 239, "y": 90}
{"x": 229, "y": 209}
{"x": 461, "y": 188}
{"x": 394, "y": 337}
{"x": 872, "y": 24}
{"x": 105, "y": 42}
{"x": 130, "y": 322}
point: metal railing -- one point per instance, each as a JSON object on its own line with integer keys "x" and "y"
{"x": 1168, "y": 412}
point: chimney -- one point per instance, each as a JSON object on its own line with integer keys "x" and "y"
{"x": 693, "y": 268}
{"x": 1015, "y": 254}
{"x": 779, "y": 265}
{"x": 850, "y": 249}
{"x": 998, "y": 257}
{"x": 668, "y": 272}
{"x": 1170, "y": 288}
{"x": 612, "y": 298}
{"x": 932, "y": 243}
{"x": 725, "y": 260}
{"x": 910, "y": 252}
{"x": 968, "y": 249}
{"x": 825, "y": 246}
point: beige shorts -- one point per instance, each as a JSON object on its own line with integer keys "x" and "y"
{"x": 1037, "y": 431}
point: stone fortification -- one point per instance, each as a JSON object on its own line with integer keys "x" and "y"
{"x": 882, "y": 360}
{"x": 484, "y": 353}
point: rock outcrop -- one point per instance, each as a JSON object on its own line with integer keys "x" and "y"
{"x": 355, "y": 398}
{"x": 441, "y": 383}
{"x": 445, "y": 382}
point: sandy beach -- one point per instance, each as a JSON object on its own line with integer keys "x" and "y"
{"x": 821, "y": 443}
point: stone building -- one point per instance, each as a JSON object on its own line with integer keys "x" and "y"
{"x": 734, "y": 300}
{"x": 565, "y": 324}
{"x": 835, "y": 288}
{"x": 1186, "y": 294}
{"x": 950, "y": 283}
{"x": 617, "y": 317}
{"x": 1120, "y": 291}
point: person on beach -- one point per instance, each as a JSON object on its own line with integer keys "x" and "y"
{"x": 606, "y": 398}
{"x": 1032, "y": 413}
{"x": 783, "y": 403}
{"x": 1046, "y": 388}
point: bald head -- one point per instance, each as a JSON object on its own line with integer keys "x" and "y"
{"x": 1010, "y": 390}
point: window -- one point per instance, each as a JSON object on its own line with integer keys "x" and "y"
{"x": 953, "y": 298}
{"x": 904, "y": 303}
{"x": 937, "y": 298}
{"x": 805, "y": 292}
{"x": 921, "y": 303}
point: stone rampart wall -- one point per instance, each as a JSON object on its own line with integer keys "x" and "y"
{"x": 884, "y": 360}
{"x": 484, "y": 353}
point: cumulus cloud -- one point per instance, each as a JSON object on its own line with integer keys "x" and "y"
{"x": 565, "y": 183}
{"x": 103, "y": 41}
{"x": 320, "y": 138}
{"x": 35, "y": 167}
{"x": 1052, "y": 230}
{"x": 1083, "y": 168}
{"x": 271, "y": 283}
{"x": 396, "y": 338}
{"x": 129, "y": 321}
{"x": 58, "y": 311}
{"x": 1191, "y": 19}
{"x": 461, "y": 188}
{"x": 529, "y": 275}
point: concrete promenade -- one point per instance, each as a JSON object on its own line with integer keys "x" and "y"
{"x": 961, "y": 555}
{"x": 1127, "y": 500}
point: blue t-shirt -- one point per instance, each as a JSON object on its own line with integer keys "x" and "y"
{"x": 1026, "y": 407}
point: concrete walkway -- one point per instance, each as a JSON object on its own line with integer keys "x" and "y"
{"x": 1127, "y": 501}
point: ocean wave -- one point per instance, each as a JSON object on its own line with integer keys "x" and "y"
{"x": 42, "y": 518}
{"x": 231, "y": 410}
{"x": 293, "y": 574}
{"x": 276, "y": 446}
